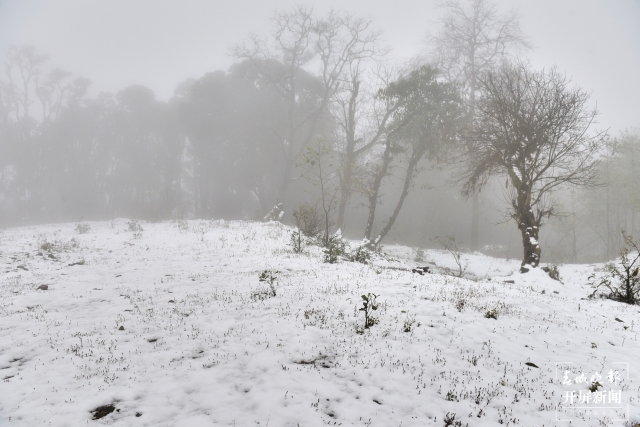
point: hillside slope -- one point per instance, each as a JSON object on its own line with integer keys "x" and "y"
{"x": 170, "y": 326}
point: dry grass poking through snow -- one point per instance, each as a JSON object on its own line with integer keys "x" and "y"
{"x": 160, "y": 325}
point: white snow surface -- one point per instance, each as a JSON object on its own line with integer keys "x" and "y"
{"x": 201, "y": 348}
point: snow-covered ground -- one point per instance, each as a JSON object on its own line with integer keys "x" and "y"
{"x": 172, "y": 327}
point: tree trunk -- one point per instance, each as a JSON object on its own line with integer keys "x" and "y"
{"x": 529, "y": 228}
{"x": 475, "y": 201}
{"x": 350, "y": 157}
{"x": 345, "y": 192}
{"x": 475, "y": 221}
{"x": 408, "y": 179}
{"x": 375, "y": 189}
{"x": 531, "y": 246}
{"x": 284, "y": 185}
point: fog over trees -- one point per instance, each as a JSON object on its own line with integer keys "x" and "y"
{"x": 468, "y": 139}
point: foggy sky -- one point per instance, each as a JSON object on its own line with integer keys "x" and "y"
{"x": 160, "y": 43}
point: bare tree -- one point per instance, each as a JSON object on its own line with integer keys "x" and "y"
{"x": 536, "y": 130}
{"x": 305, "y": 60}
{"x": 473, "y": 40}
{"x": 318, "y": 162}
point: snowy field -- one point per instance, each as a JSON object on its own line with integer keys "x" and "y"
{"x": 170, "y": 326}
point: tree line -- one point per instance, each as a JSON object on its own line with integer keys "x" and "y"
{"x": 314, "y": 117}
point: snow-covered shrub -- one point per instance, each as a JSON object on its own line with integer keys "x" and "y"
{"x": 553, "y": 272}
{"x": 620, "y": 281}
{"x": 360, "y": 254}
{"x": 55, "y": 245}
{"x": 183, "y": 225}
{"x": 419, "y": 255}
{"x": 298, "y": 241}
{"x": 47, "y": 246}
{"x": 275, "y": 214}
{"x": 134, "y": 226}
{"x": 83, "y": 228}
{"x": 335, "y": 248}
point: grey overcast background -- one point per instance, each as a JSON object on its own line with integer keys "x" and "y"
{"x": 159, "y": 43}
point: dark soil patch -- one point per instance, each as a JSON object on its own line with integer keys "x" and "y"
{"x": 321, "y": 360}
{"x": 103, "y": 411}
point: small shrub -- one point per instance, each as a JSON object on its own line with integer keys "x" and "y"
{"x": 450, "y": 245}
{"x": 269, "y": 277}
{"x": 334, "y": 249}
{"x": 360, "y": 254}
{"x": 491, "y": 314}
{"x": 369, "y": 305}
{"x": 450, "y": 420}
{"x": 594, "y": 386}
{"x": 460, "y": 304}
{"x": 297, "y": 241}
{"x": 408, "y": 324}
{"x": 134, "y": 226}
{"x": 620, "y": 281}
{"x": 553, "y": 272}
{"x": 308, "y": 220}
{"x": 83, "y": 228}
{"x": 57, "y": 245}
{"x": 183, "y": 225}
{"x": 419, "y": 257}
{"x": 275, "y": 214}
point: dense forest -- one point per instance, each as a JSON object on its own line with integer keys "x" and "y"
{"x": 314, "y": 118}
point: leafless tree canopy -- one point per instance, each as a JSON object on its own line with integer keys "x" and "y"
{"x": 536, "y": 129}
{"x": 475, "y": 39}
{"x": 300, "y": 45}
